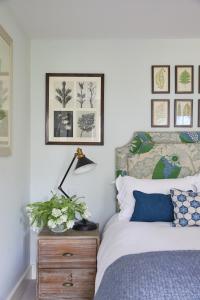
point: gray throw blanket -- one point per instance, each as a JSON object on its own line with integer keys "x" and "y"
{"x": 168, "y": 275}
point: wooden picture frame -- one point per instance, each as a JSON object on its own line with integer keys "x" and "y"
{"x": 74, "y": 109}
{"x": 160, "y": 79}
{"x": 160, "y": 113}
{"x": 183, "y": 113}
{"x": 198, "y": 122}
{"x": 6, "y": 75}
{"x": 199, "y": 79}
{"x": 184, "y": 79}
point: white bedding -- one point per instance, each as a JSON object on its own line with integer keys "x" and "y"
{"x": 122, "y": 237}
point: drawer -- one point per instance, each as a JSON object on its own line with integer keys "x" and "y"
{"x": 67, "y": 253}
{"x": 66, "y": 284}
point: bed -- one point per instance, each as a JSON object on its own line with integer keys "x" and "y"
{"x": 152, "y": 260}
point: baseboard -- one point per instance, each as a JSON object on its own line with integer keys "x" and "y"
{"x": 33, "y": 271}
{"x": 19, "y": 288}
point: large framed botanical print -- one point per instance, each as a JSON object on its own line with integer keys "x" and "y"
{"x": 74, "y": 109}
{"x": 5, "y": 92}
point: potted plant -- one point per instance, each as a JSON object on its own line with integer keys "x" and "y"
{"x": 59, "y": 213}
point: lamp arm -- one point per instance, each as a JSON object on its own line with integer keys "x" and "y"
{"x": 60, "y": 185}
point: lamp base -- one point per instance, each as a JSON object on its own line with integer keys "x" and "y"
{"x": 84, "y": 225}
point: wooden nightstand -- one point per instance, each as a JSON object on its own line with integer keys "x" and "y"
{"x": 66, "y": 266}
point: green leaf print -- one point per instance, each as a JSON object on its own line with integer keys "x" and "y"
{"x": 167, "y": 167}
{"x": 160, "y": 78}
{"x": 184, "y": 77}
{"x": 141, "y": 143}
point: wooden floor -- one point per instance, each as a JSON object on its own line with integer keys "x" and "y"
{"x": 30, "y": 292}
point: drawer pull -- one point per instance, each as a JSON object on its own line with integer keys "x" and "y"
{"x": 67, "y": 284}
{"x": 67, "y": 254}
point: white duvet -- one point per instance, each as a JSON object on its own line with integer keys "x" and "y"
{"x": 122, "y": 237}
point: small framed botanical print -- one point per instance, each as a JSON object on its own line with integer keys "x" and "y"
{"x": 160, "y": 113}
{"x": 74, "y": 109}
{"x": 160, "y": 79}
{"x": 184, "y": 79}
{"x": 183, "y": 113}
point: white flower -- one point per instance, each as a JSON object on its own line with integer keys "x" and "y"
{"x": 70, "y": 224}
{"x": 56, "y": 212}
{"x": 63, "y": 218}
{"x": 86, "y": 214}
{"x": 51, "y": 223}
{"x": 29, "y": 209}
{"x": 64, "y": 209}
{"x": 59, "y": 221}
{"x": 35, "y": 227}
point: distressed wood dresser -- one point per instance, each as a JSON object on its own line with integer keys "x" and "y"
{"x": 66, "y": 265}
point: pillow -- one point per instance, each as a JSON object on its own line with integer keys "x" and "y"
{"x": 186, "y": 208}
{"x": 152, "y": 207}
{"x": 126, "y": 184}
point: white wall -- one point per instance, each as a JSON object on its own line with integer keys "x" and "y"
{"x": 14, "y": 170}
{"x": 126, "y": 64}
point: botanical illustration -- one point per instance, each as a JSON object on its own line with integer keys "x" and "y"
{"x": 160, "y": 113}
{"x": 183, "y": 112}
{"x": 86, "y": 124}
{"x": 86, "y": 92}
{"x": 63, "y": 94}
{"x": 81, "y": 94}
{"x": 92, "y": 93}
{"x": 160, "y": 79}
{"x": 63, "y": 123}
{"x": 184, "y": 79}
{"x": 74, "y": 108}
{"x": 5, "y": 92}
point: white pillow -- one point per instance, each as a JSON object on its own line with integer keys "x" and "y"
{"x": 127, "y": 184}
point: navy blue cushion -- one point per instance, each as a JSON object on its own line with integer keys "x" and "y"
{"x": 152, "y": 208}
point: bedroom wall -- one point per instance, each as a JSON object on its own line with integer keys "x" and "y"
{"x": 126, "y": 64}
{"x": 14, "y": 169}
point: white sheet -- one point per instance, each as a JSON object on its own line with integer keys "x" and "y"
{"x": 122, "y": 237}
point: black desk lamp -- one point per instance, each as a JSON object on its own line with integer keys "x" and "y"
{"x": 83, "y": 165}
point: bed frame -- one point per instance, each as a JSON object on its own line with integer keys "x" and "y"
{"x": 160, "y": 155}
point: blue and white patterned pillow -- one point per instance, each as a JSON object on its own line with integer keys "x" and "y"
{"x": 186, "y": 208}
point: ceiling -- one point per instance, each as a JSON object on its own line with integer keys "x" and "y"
{"x": 108, "y": 18}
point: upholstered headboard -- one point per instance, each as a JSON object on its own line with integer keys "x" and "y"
{"x": 160, "y": 155}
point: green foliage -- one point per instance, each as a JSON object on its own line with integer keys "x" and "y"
{"x": 142, "y": 143}
{"x": 121, "y": 173}
{"x": 55, "y": 210}
{"x": 184, "y": 77}
{"x": 160, "y": 78}
{"x": 2, "y": 114}
{"x": 63, "y": 94}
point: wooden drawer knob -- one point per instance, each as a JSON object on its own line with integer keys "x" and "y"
{"x": 67, "y": 284}
{"x": 67, "y": 254}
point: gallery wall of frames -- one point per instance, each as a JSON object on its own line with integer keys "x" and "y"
{"x": 161, "y": 79}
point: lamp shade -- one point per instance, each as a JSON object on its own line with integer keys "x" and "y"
{"x": 84, "y": 165}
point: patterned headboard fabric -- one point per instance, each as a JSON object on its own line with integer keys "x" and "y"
{"x": 160, "y": 155}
